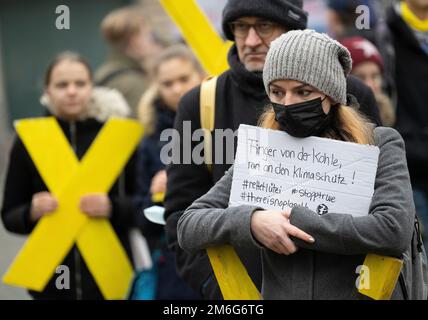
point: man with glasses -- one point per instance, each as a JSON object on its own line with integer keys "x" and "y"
{"x": 240, "y": 99}
{"x": 252, "y": 38}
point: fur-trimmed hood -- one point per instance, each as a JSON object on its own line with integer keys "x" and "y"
{"x": 104, "y": 103}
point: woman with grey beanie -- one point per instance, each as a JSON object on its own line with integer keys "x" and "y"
{"x": 305, "y": 255}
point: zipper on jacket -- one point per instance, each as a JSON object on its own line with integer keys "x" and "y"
{"x": 77, "y": 259}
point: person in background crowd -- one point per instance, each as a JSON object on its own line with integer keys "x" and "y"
{"x": 81, "y": 111}
{"x": 408, "y": 25}
{"x": 306, "y": 255}
{"x": 368, "y": 66}
{"x": 175, "y": 72}
{"x": 240, "y": 99}
{"x": 132, "y": 44}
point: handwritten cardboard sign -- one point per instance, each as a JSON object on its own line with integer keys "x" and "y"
{"x": 274, "y": 170}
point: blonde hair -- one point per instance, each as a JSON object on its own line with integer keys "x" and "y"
{"x": 348, "y": 125}
{"x": 121, "y": 24}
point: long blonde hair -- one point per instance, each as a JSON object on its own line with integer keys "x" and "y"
{"x": 348, "y": 124}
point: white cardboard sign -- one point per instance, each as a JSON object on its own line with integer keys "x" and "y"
{"x": 274, "y": 170}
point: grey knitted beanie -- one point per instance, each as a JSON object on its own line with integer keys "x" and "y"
{"x": 312, "y": 58}
{"x": 288, "y": 13}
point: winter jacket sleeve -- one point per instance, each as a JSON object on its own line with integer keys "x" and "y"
{"x": 387, "y": 230}
{"x": 210, "y": 222}
{"x": 18, "y": 191}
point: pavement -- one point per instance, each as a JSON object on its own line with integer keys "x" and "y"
{"x": 9, "y": 246}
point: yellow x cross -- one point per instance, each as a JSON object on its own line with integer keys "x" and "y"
{"x": 200, "y": 35}
{"x": 69, "y": 180}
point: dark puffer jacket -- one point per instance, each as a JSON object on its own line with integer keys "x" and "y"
{"x": 169, "y": 284}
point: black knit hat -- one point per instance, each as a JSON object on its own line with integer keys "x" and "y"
{"x": 288, "y": 13}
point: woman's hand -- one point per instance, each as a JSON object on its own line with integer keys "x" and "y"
{"x": 158, "y": 182}
{"x": 42, "y": 203}
{"x": 97, "y": 205}
{"x": 272, "y": 228}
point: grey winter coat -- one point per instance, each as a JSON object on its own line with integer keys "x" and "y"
{"x": 327, "y": 268}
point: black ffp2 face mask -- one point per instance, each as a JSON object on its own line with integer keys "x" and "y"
{"x": 303, "y": 119}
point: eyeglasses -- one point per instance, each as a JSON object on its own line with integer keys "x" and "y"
{"x": 264, "y": 29}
